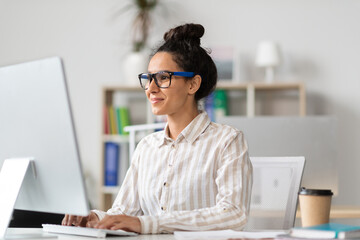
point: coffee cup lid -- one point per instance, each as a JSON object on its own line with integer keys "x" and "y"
{"x": 316, "y": 192}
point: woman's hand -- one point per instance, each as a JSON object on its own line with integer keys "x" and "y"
{"x": 123, "y": 222}
{"x": 80, "y": 221}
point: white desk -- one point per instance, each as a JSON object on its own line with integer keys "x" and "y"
{"x": 19, "y": 231}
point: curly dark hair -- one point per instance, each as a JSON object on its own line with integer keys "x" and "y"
{"x": 183, "y": 43}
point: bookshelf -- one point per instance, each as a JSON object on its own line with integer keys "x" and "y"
{"x": 251, "y": 89}
{"x": 136, "y": 99}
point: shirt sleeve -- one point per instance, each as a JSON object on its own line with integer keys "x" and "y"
{"x": 234, "y": 181}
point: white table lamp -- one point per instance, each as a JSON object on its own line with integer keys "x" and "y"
{"x": 268, "y": 57}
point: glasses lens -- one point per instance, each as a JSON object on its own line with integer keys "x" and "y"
{"x": 163, "y": 79}
{"x": 144, "y": 80}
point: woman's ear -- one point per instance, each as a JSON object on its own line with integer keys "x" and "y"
{"x": 195, "y": 83}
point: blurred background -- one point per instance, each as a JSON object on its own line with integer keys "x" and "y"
{"x": 318, "y": 43}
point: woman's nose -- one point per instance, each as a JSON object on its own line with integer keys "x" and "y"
{"x": 152, "y": 86}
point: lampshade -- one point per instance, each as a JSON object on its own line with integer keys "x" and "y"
{"x": 267, "y": 54}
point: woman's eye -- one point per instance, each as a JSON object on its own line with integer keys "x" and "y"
{"x": 163, "y": 77}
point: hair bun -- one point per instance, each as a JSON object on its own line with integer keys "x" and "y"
{"x": 188, "y": 32}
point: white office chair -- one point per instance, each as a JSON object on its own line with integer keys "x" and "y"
{"x": 134, "y": 129}
{"x": 276, "y": 182}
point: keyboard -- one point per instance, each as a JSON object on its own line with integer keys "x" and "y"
{"x": 84, "y": 231}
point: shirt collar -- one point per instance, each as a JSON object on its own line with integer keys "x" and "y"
{"x": 192, "y": 131}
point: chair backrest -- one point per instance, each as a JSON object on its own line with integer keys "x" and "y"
{"x": 314, "y": 137}
{"x": 133, "y": 129}
{"x": 276, "y": 182}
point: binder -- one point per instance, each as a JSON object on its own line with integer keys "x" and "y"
{"x": 112, "y": 153}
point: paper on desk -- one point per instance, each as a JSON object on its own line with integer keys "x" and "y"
{"x": 226, "y": 234}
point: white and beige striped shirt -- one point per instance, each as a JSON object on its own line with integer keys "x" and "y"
{"x": 200, "y": 181}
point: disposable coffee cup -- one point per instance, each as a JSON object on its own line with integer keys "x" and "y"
{"x": 315, "y": 206}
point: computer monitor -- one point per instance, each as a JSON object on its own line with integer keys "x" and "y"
{"x": 36, "y": 126}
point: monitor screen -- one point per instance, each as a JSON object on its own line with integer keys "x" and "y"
{"x": 36, "y": 123}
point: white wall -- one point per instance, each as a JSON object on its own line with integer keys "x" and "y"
{"x": 319, "y": 40}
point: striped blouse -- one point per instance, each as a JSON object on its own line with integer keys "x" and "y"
{"x": 201, "y": 181}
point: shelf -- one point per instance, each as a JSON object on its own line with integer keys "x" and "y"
{"x": 116, "y": 138}
{"x": 135, "y": 97}
{"x": 249, "y": 87}
{"x": 115, "y": 88}
{"x": 222, "y": 85}
{"x": 110, "y": 190}
{"x": 259, "y": 85}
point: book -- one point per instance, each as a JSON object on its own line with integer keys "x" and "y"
{"x": 112, "y": 117}
{"x": 327, "y": 231}
{"x": 124, "y": 119}
{"x": 111, "y": 167}
{"x": 220, "y": 103}
{"x": 115, "y": 119}
{"x": 216, "y": 104}
{"x": 209, "y": 106}
{"x": 118, "y": 121}
{"x": 106, "y": 121}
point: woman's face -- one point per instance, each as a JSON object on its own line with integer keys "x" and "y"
{"x": 176, "y": 98}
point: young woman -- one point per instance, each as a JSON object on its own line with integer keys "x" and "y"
{"x": 194, "y": 175}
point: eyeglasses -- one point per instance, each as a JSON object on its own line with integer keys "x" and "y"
{"x": 162, "y": 79}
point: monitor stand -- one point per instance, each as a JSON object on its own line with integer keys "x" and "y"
{"x": 12, "y": 175}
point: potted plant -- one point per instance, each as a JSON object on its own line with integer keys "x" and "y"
{"x": 142, "y": 22}
{"x": 136, "y": 62}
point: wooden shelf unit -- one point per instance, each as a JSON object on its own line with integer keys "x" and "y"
{"x": 250, "y": 88}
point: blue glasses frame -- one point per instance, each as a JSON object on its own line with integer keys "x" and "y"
{"x": 146, "y": 78}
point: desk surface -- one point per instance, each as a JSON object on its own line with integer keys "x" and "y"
{"x": 338, "y": 211}
{"x": 36, "y": 231}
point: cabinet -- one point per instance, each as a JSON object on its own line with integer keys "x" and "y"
{"x": 136, "y": 99}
